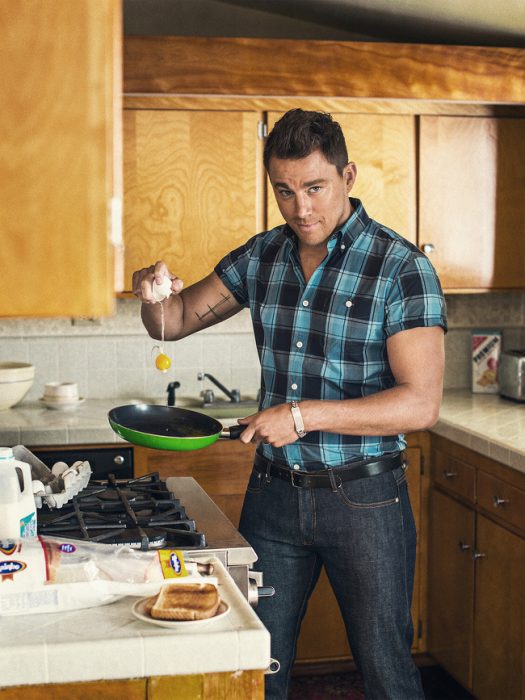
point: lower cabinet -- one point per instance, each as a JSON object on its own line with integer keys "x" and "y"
{"x": 476, "y": 573}
{"x": 223, "y": 470}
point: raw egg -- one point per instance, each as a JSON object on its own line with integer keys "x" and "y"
{"x": 162, "y": 362}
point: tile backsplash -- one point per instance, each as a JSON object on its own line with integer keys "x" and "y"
{"x": 114, "y": 357}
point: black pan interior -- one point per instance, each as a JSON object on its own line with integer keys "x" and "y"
{"x": 167, "y": 421}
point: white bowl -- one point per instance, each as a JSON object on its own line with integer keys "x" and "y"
{"x": 16, "y": 378}
{"x": 61, "y": 390}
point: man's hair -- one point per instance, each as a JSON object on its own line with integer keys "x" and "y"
{"x": 298, "y": 133}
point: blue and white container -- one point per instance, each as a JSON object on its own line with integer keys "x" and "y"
{"x": 17, "y": 503}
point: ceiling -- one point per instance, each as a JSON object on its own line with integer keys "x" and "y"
{"x": 468, "y": 22}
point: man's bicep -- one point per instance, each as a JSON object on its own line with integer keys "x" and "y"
{"x": 417, "y": 359}
{"x": 206, "y": 303}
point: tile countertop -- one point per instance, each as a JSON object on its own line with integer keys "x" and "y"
{"x": 484, "y": 422}
{"x": 108, "y": 642}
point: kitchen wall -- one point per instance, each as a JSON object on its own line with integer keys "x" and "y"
{"x": 114, "y": 357}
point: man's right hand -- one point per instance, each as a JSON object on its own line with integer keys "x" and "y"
{"x": 142, "y": 283}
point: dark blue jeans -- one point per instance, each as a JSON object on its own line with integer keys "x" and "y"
{"x": 364, "y": 535}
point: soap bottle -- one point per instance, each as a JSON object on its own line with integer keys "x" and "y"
{"x": 17, "y": 503}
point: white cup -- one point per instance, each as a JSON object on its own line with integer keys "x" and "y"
{"x": 57, "y": 391}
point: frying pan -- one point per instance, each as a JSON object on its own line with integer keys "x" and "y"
{"x": 168, "y": 427}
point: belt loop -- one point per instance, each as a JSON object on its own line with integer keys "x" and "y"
{"x": 332, "y": 477}
{"x": 267, "y": 476}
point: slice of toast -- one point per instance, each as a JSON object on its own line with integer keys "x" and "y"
{"x": 186, "y": 601}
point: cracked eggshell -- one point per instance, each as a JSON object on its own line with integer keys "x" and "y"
{"x": 161, "y": 291}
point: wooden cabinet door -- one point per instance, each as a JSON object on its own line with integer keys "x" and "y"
{"x": 323, "y": 635}
{"x": 451, "y": 583}
{"x": 499, "y": 626}
{"x": 384, "y": 150}
{"x": 60, "y": 162}
{"x": 472, "y": 209}
{"x": 190, "y": 188}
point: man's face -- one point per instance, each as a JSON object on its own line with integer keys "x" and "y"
{"x": 312, "y": 196}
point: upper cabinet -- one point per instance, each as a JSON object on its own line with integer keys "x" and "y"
{"x": 472, "y": 200}
{"x": 60, "y": 156}
{"x": 384, "y": 150}
{"x": 192, "y": 183}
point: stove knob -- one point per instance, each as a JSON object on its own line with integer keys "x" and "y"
{"x": 119, "y": 459}
{"x": 255, "y": 592}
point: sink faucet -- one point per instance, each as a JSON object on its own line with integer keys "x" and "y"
{"x": 234, "y": 395}
{"x": 171, "y": 392}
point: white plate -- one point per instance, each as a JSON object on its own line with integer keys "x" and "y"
{"x": 139, "y": 611}
{"x": 62, "y": 405}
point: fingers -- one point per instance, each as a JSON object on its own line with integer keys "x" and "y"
{"x": 142, "y": 281}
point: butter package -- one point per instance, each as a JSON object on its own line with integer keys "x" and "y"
{"x": 486, "y": 348}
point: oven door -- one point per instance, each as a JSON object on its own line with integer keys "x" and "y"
{"x": 103, "y": 460}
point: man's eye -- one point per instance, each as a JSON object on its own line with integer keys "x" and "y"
{"x": 285, "y": 193}
{"x": 316, "y": 188}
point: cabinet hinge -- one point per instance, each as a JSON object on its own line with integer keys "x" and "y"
{"x": 262, "y": 130}
{"x": 419, "y": 629}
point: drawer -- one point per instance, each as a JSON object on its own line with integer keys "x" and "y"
{"x": 502, "y": 499}
{"x": 454, "y": 475}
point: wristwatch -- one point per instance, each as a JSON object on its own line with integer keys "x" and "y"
{"x": 297, "y": 419}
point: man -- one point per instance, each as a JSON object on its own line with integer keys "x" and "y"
{"x": 349, "y": 321}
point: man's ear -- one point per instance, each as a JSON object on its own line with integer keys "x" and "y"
{"x": 350, "y": 175}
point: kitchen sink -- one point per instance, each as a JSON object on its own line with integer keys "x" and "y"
{"x": 220, "y": 409}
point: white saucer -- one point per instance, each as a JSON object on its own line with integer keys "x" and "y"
{"x": 62, "y": 405}
{"x": 139, "y": 611}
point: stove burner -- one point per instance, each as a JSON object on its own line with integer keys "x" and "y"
{"x": 139, "y": 512}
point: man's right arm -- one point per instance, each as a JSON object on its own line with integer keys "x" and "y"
{"x": 186, "y": 311}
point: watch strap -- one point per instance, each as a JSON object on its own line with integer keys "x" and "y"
{"x": 297, "y": 419}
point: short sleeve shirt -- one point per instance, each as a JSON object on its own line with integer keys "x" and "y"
{"x": 326, "y": 339}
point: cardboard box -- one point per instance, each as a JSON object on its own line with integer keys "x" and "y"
{"x": 486, "y": 348}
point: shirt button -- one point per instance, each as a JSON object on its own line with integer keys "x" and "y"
{"x": 296, "y": 466}
{"x": 306, "y": 302}
{"x": 349, "y": 303}
{"x": 294, "y": 386}
{"x": 299, "y": 344}
{"x": 343, "y": 247}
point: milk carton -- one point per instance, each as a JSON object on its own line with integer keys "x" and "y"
{"x": 486, "y": 348}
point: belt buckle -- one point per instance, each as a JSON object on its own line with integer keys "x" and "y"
{"x": 293, "y": 474}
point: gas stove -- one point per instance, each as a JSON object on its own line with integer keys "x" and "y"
{"x": 150, "y": 513}
{"x": 140, "y": 512}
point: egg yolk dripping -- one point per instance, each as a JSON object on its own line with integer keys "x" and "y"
{"x": 162, "y": 361}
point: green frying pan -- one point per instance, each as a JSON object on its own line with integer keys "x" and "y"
{"x": 168, "y": 427}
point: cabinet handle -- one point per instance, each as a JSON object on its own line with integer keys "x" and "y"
{"x": 478, "y": 555}
{"x": 449, "y": 475}
{"x": 500, "y": 502}
{"x": 463, "y": 546}
{"x": 428, "y": 248}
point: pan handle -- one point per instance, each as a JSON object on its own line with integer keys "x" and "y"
{"x": 233, "y": 432}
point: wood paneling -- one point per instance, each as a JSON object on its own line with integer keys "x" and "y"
{"x": 384, "y": 150}
{"x": 191, "y": 190}
{"x": 211, "y": 65}
{"x": 471, "y": 200}
{"x": 60, "y": 159}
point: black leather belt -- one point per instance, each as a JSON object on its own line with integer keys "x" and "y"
{"x": 327, "y": 478}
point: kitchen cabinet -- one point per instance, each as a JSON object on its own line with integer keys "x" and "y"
{"x": 384, "y": 150}
{"x": 476, "y": 570}
{"x": 223, "y": 470}
{"x": 192, "y": 187}
{"x": 472, "y": 209}
{"x": 61, "y": 182}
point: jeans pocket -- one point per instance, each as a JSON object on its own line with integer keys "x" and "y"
{"x": 256, "y": 482}
{"x": 371, "y": 492}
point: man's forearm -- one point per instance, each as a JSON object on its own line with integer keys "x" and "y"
{"x": 401, "y": 409}
{"x": 151, "y": 315}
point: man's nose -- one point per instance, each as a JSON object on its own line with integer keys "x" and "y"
{"x": 302, "y": 206}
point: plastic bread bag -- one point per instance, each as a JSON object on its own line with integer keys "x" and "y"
{"x": 48, "y": 574}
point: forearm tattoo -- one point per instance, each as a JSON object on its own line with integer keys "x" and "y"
{"x": 214, "y": 310}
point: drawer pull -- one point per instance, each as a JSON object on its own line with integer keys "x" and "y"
{"x": 463, "y": 546}
{"x": 449, "y": 475}
{"x": 478, "y": 555}
{"x": 500, "y": 502}
{"x": 119, "y": 459}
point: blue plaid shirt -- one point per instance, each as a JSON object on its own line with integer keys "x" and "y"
{"x": 326, "y": 339}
